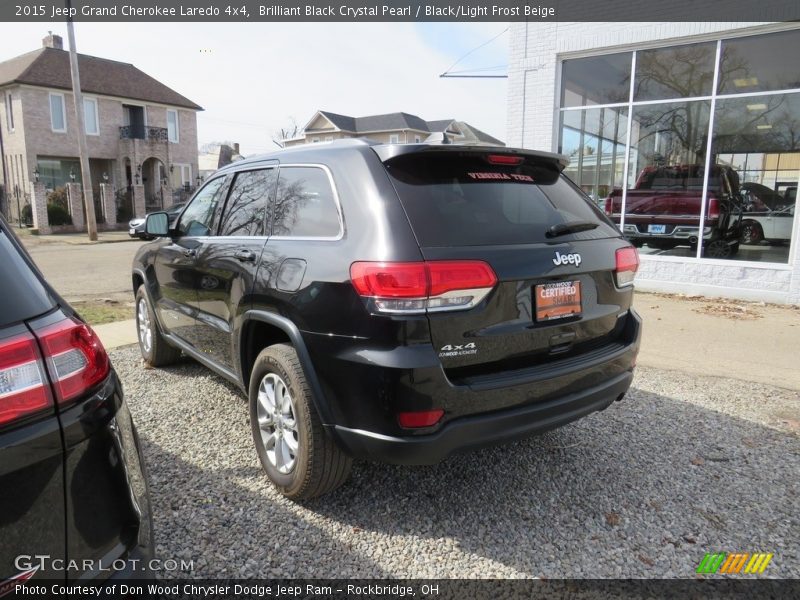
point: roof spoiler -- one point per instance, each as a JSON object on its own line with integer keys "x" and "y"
{"x": 388, "y": 152}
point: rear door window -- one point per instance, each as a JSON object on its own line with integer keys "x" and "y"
{"x": 305, "y": 204}
{"x": 246, "y": 209}
{"x": 455, "y": 199}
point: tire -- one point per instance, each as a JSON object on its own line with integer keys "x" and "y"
{"x": 155, "y": 350}
{"x": 718, "y": 249}
{"x": 300, "y": 459}
{"x": 751, "y": 233}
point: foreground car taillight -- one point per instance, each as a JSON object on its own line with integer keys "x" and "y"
{"x": 417, "y": 287}
{"x": 627, "y": 265}
{"x": 76, "y": 360}
{"x": 23, "y": 386}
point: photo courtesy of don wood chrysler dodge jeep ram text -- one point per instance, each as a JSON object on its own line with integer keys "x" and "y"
{"x": 392, "y": 302}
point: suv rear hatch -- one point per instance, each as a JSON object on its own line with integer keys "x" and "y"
{"x": 555, "y": 256}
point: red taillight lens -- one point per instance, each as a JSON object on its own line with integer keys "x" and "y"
{"x": 713, "y": 208}
{"x": 416, "y": 287}
{"x": 627, "y": 265}
{"x": 504, "y": 159}
{"x": 451, "y": 275}
{"x": 390, "y": 280}
{"x": 421, "y": 418}
{"x": 76, "y": 360}
{"x": 23, "y": 389}
{"x": 609, "y": 207}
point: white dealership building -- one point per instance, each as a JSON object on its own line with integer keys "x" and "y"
{"x": 626, "y": 99}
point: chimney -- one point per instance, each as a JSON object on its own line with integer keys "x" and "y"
{"x": 53, "y": 41}
{"x": 236, "y": 148}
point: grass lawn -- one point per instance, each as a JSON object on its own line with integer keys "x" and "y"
{"x": 97, "y": 313}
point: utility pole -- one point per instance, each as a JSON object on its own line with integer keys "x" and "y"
{"x": 86, "y": 178}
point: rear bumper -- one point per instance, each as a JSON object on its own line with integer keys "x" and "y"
{"x": 470, "y": 433}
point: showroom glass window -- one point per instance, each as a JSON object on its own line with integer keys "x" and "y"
{"x": 704, "y": 136}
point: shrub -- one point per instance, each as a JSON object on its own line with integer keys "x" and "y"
{"x": 58, "y": 215}
{"x": 59, "y": 197}
{"x": 27, "y": 215}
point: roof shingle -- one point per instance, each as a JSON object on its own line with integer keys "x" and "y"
{"x": 49, "y": 67}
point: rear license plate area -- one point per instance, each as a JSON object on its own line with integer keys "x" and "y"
{"x": 656, "y": 229}
{"x": 558, "y": 300}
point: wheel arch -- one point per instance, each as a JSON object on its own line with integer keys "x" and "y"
{"x": 261, "y": 329}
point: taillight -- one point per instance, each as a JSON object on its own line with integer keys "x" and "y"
{"x": 609, "y": 207}
{"x": 23, "y": 387}
{"x": 75, "y": 358}
{"x": 713, "y": 208}
{"x": 417, "y": 287}
{"x": 627, "y": 265}
{"x": 420, "y": 418}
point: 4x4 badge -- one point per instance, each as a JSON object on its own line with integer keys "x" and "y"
{"x": 564, "y": 259}
{"x": 458, "y": 349}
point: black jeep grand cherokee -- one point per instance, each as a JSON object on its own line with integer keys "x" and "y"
{"x": 392, "y": 302}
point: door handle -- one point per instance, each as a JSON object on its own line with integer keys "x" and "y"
{"x": 189, "y": 253}
{"x": 244, "y": 256}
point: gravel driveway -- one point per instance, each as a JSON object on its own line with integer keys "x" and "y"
{"x": 684, "y": 466}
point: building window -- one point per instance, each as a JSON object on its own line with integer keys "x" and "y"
{"x": 315, "y": 140}
{"x": 58, "y": 113}
{"x": 173, "y": 132}
{"x": 417, "y": 139}
{"x": 9, "y": 112}
{"x": 692, "y": 149}
{"x": 90, "y": 116}
{"x": 329, "y": 138}
{"x": 394, "y": 139}
{"x": 54, "y": 172}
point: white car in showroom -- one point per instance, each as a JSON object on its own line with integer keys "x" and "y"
{"x": 770, "y": 225}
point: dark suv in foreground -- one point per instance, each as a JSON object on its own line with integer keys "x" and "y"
{"x": 393, "y": 302}
{"x": 73, "y": 493}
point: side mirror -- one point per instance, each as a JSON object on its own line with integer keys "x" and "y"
{"x": 157, "y": 224}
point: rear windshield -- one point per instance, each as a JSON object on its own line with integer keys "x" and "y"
{"x": 23, "y": 296}
{"x": 461, "y": 199}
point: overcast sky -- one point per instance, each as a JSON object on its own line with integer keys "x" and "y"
{"x": 252, "y": 78}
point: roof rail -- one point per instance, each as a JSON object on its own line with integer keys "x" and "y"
{"x": 354, "y": 142}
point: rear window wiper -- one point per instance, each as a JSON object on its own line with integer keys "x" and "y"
{"x": 571, "y": 227}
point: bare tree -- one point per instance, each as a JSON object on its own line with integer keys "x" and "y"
{"x": 288, "y": 132}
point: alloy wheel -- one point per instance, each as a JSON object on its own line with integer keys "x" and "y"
{"x": 145, "y": 329}
{"x": 277, "y": 423}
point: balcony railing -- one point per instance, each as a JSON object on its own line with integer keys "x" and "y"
{"x": 152, "y": 134}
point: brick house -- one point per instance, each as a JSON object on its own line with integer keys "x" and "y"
{"x": 392, "y": 128}
{"x": 139, "y": 131}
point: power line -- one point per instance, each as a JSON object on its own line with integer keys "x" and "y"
{"x": 448, "y": 73}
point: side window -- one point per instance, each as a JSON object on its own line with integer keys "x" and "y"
{"x": 247, "y": 203}
{"x": 197, "y": 219}
{"x": 305, "y": 205}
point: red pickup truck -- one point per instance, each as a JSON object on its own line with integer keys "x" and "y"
{"x": 663, "y": 209}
